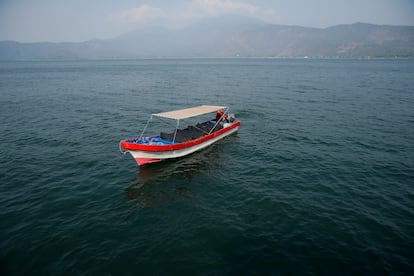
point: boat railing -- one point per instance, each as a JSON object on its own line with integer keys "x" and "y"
{"x": 124, "y": 152}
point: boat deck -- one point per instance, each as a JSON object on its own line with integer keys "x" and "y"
{"x": 183, "y": 135}
{"x": 191, "y": 132}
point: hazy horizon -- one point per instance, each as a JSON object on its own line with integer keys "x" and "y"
{"x": 76, "y": 21}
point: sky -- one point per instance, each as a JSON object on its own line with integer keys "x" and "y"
{"x": 82, "y": 20}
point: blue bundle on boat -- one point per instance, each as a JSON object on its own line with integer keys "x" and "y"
{"x": 153, "y": 140}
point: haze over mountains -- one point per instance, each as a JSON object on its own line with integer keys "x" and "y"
{"x": 230, "y": 37}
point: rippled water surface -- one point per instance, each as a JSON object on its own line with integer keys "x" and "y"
{"x": 319, "y": 178}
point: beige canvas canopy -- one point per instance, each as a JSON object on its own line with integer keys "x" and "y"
{"x": 189, "y": 112}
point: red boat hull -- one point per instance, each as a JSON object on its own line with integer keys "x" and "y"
{"x": 147, "y": 153}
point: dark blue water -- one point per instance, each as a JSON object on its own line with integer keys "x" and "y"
{"x": 319, "y": 178}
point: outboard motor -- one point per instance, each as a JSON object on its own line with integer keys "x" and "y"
{"x": 231, "y": 118}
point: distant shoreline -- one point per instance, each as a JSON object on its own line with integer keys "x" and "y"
{"x": 204, "y": 58}
{"x": 359, "y": 40}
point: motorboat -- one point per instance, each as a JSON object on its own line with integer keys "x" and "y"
{"x": 181, "y": 141}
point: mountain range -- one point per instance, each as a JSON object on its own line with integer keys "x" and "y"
{"x": 230, "y": 37}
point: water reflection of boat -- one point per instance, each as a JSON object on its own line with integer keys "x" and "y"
{"x": 170, "y": 180}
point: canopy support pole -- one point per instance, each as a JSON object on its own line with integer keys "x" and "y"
{"x": 145, "y": 128}
{"x": 176, "y": 129}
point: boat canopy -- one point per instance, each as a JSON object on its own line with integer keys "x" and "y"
{"x": 189, "y": 112}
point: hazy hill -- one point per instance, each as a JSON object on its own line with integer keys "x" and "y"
{"x": 231, "y": 37}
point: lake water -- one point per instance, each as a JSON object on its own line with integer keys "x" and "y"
{"x": 319, "y": 178}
